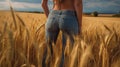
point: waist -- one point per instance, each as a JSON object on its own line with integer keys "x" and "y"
{"x": 63, "y": 12}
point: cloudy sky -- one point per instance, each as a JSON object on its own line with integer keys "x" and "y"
{"x": 104, "y": 6}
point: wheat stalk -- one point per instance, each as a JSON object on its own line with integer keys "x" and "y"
{"x": 21, "y": 20}
{"x": 39, "y": 28}
{"x": 13, "y": 15}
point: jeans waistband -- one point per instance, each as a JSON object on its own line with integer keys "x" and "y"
{"x": 63, "y": 12}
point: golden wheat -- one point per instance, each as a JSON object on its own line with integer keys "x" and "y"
{"x": 24, "y": 46}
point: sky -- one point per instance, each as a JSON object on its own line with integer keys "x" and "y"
{"x": 102, "y": 6}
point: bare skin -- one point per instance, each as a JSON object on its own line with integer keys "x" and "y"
{"x": 74, "y": 5}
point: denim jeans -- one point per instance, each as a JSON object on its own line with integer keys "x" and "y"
{"x": 61, "y": 20}
{"x": 64, "y": 20}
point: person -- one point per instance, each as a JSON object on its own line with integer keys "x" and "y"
{"x": 65, "y": 16}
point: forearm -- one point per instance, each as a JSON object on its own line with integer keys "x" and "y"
{"x": 79, "y": 17}
{"x": 45, "y": 8}
{"x": 79, "y": 11}
{"x": 46, "y": 11}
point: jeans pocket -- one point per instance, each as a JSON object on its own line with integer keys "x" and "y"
{"x": 70, "y": 25}
{"x": 50, "y": 24}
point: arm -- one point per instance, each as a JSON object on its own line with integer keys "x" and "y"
{"x": 45, "y": 7}
{"x": 79, "y": 8}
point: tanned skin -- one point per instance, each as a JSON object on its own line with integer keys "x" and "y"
{"x": 74, "y": 5}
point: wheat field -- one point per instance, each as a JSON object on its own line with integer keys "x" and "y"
{"x": 22, "y": 42}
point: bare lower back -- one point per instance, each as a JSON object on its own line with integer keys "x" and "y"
{"x": 63, "y": 5}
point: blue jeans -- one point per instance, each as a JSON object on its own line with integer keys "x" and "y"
{"x": 61, "y": 20}
{"x": 64, "y": 20}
